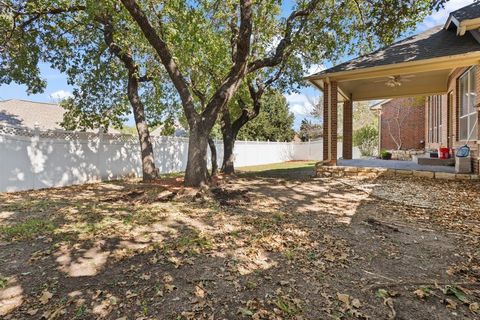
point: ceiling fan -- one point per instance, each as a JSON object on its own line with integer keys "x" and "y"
{"x": 395, "y": 81}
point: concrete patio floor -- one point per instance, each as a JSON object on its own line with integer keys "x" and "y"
{"x": 393, "y": 164}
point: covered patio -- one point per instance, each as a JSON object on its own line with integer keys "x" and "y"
{"x": 421, "y": 65}
{"x": 393, "y": 164}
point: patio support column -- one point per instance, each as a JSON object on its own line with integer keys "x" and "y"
{"x": 326, "y": 88}
{"x": 330, "y": 98}
{"x": 347, "y": 129}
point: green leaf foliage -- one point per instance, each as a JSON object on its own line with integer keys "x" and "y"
{"x": 274, "y": 123}
{"x": 366, "y": 139}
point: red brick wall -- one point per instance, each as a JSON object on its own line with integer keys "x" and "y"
{"x": 412, "y": 131}
{"x": 325, "y": 121}
{"x": 333, "y": 91}
{"x": 453, "y": 88}
{"x": 334, "y": 114}
{"x": 476, "y": 155}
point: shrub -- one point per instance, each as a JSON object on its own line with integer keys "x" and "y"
{"x": 384, "y": 154}
{"x": 366, "y": 139}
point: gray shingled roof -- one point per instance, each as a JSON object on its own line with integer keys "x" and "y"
{"x": 27, "y": 113}
{"x": 433, "y": 43}
{"x": 469, "y": 12}
{"x": 24, "y": 113}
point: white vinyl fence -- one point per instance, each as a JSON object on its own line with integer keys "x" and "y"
{"x": 34, "y": 159}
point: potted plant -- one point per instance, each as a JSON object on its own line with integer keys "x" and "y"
{"x": 385, "y": 155}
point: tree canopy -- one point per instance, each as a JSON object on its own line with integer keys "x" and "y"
{"x": 274, "y": 123}
{"x": 205, "y": 50}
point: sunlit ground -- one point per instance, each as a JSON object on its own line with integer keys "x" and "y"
{"x": 273, "y": 243}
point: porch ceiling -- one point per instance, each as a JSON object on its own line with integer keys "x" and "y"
{"x": 424, "y": 83}
{"x": 425, "y": 77}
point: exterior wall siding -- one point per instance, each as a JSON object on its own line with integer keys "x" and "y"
{"x": 412, "y": 131}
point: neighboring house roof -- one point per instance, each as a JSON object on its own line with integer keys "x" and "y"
{"x": 465, "y": 19}
{"x": 179, "y": 131}
{"x": 466, "y": 13}
{"x": 378, "y": 105}
{"x": 433, "y": 43}
{"x": 27, "y": 114}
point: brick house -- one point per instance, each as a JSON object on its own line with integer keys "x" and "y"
{"x": 442, "y": 64}
{"x": 452, "y": 118}
{"x": 401, "y": 123}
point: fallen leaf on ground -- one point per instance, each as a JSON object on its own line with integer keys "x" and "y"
{"x": 451, "y": 304}
{"x": 356, "y": 303}
{"x": 199, "y": 292}
{"x": 45, "y": 297}
{"x": 422, "y": 292}
{"x": 474, "y": 307}
{"x": 345, "y": 298}
{"x": 32, "y": 312}
{"x": 169, "y": 287}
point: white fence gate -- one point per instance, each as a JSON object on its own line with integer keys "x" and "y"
{"x": 34, "y": 159}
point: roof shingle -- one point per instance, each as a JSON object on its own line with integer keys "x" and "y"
{"x": 469, "y": 12}
{"x": 28, "y": 113}
{"x": 433, "y": 43}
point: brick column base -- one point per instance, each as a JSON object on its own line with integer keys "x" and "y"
{"x": 325, "y": 121}
{"x": 330, "y": 101}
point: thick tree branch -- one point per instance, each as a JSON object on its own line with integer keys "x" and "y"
{"x": 256, "y": 94}
{"x": 149, "y": 170}
{"x": 239, "y": 68}
{"x": 286, "y": 41}
{"x": 166, "y": 58}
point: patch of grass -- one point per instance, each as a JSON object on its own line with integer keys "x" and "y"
{"x": 143, "y": 216}
{"x": 195, "y": 243}
{"x": 28, "y": 229}
{"x": 3, "y": 282}
{"x": 80, "y": 311}
{"x": 287, "y": 307}
{"x": 28, "y": 205}
{"x": 289, "y": 254}
{"x": 291, "y": 169}
{"x": 279, "y": 166}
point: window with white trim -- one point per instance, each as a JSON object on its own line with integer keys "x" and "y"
{"x": 434, "y": 109}
{"x": 468, "y": 117}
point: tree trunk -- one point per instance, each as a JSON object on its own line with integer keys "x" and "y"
{"x": 149, "y": 171}
{"x": 228, "y": 143}
{"x": 213, "y": 151}
{"x": 196, "y": 173}
{"x": 228, "y": 166}
{"x": 230, "y": 130}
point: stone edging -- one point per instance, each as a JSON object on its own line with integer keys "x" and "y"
{"x": 323, "y": 171}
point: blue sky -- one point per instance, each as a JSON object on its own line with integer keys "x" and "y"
{"x": 300, "y": 103}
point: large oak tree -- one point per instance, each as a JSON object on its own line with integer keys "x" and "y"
{"x": 312, "y": 31}
{"x": 108, "y": 70}
{"x": 209, "y": 49}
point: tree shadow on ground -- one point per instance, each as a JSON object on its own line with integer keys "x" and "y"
{"x": 261, "y": 247}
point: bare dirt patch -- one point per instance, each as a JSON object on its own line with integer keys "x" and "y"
{"x": 260, "y": 247}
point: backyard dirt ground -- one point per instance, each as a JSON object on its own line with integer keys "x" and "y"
{"x": 264, "y": 245}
